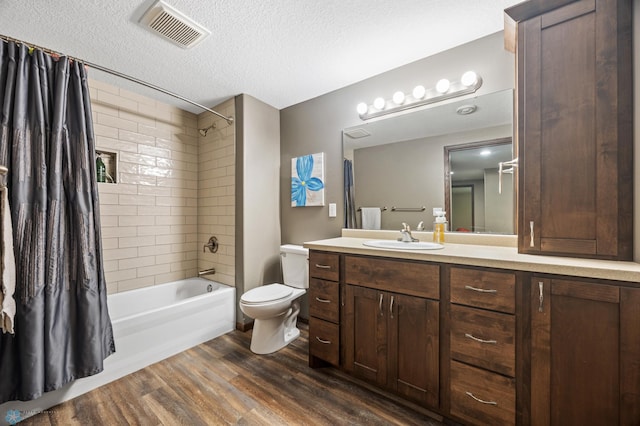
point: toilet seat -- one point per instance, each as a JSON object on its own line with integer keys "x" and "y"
{"x": 266, "y": 293}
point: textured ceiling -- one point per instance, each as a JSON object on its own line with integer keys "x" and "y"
{"x": 280, "y": 51}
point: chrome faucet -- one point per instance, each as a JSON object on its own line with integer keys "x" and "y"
{"x": 406, "y": 234}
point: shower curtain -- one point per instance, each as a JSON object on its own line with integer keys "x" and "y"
{"x": 62, "y": 326}
{"x": 349, "y": 196}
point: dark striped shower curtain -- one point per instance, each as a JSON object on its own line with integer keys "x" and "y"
{"x": 62, "y": 327}
{"x": 350, "y": 220}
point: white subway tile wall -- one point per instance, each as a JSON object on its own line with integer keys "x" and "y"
{"x": 216, "y": 193}
{"x": 150, "y": 218}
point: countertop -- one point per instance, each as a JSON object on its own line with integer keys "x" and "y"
{"x": 493, "y": 256}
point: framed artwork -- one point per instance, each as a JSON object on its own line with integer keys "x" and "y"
{"x": 307, "y": 180}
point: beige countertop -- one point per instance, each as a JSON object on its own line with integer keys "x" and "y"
{"x": 493, "y": 256}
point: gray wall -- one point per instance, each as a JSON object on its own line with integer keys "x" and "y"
{"x": 257, "y": 210}
{"x": 316, "y": 125}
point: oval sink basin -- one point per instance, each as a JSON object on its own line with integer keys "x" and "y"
{"x": 401, "y": 245}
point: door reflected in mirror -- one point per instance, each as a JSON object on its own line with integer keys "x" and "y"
{"x": 472, "y": 194}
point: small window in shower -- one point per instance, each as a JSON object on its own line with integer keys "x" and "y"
{"x": 106, "y": 166}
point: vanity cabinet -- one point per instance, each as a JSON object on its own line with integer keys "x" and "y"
{"x": 479, "y": 345}
{"x": 392, "y": 326}
{"x": 585, "y": 349}
{"x": 482, "y": 356}
{"x": 324, "y": 309}
{"x": 574, "y": 127}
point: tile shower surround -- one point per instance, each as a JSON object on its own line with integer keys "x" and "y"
{"x": 153, "y": 227}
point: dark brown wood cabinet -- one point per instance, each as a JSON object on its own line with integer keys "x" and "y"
{"x": 574, "y": 127}
{"x": 391, "y": 337}
{"x": 480, "y": 345}
{"x": 584, "y": 354}
{"x": 324, "y": 309}
{"x": 482, "y": 355}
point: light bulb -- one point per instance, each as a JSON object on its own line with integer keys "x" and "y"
{"x": 469, "y": 78}
{"x": 442, "y": 86}
{"x": 379, "y": 103}
{"x": 362, "y": 108}
{"x": 398, "y": 98}
{"x": 419, "y": 92}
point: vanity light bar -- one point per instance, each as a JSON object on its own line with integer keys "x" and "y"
{"x": 470, "y": 82}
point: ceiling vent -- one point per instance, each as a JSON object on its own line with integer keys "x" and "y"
{"x": 357, "y": 133}
{"x": 173, "y": 25}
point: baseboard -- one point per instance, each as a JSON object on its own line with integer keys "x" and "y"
{"x": 244, "y": 327}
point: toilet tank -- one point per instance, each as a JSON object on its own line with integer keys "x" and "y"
{"x": 295, "y": 265}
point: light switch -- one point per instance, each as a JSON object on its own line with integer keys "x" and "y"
{"x": 332, "y": 209}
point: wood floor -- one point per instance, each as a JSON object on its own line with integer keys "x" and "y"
{"x": 223, "y": 382}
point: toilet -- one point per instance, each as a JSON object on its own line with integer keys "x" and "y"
{"x": 274, "y": 307}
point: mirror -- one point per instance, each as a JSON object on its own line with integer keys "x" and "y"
{"x": 399, "y": 162}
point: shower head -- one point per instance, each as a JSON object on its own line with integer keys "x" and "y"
{"x": 203, "y": 132}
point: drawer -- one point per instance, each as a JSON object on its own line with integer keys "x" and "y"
{"x": 411, "y": 278}
{"x": 483, "y": 338}
{"x": 323, "y": 265}
{"x": 480, "y": 397}
{"x": 324, "y": 300}
{"x": 324, "y": 340}
{"x": 484, "y": 289}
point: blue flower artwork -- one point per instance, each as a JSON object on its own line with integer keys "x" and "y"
{"x": 307, "y": 180}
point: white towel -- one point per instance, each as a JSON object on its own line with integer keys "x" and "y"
{"x": 371, "y": 217}
{"x": 7, "y": 266}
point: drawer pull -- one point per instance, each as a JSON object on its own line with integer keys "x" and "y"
{"x": 325, "y": 342}
{"x": 480, "y": 400}
{"x": 541, "y": 287}
{"x": 391, "y": 307}
{"x": 380, "y": 304}
{"x": 480, "y": 290}
{"x": 323, "y": 266}
{"x": 472, "y": 337}
{"x": 323, "y": 300}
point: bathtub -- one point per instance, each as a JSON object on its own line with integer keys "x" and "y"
{"x": 149, "y": 325}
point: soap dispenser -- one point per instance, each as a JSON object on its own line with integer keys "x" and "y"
{"x": 439, "y": 225}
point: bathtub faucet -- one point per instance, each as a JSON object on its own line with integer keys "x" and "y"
{"x": 207, "y": 272}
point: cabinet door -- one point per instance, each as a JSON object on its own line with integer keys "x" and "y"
{"x": 366, "y": 334}
{"x": 575, "y": 135}
{"x": 584, "y": 353}
{"x": 413, "y": 348}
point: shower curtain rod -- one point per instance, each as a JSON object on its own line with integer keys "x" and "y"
{"x": 229, "y": 120}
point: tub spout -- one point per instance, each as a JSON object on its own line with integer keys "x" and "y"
{"x": 207, "y": 272}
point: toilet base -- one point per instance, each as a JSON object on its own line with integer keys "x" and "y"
{"x": 272, "y": 334}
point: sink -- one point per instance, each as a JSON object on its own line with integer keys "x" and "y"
{"x": 401, "y": 245}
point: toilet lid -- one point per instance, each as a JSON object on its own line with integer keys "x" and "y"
{"x": 267, "y": 293}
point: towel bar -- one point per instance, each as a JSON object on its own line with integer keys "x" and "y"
{"x": 383, "y": 209}
{"x": 408, "y": 209}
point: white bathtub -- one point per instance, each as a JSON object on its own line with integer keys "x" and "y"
{"x": 149, "y": 325}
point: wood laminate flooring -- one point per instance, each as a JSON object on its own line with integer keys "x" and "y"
{"x": 221, "y": 382}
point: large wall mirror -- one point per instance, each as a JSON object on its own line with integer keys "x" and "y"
{"x": 399, "y": 164}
